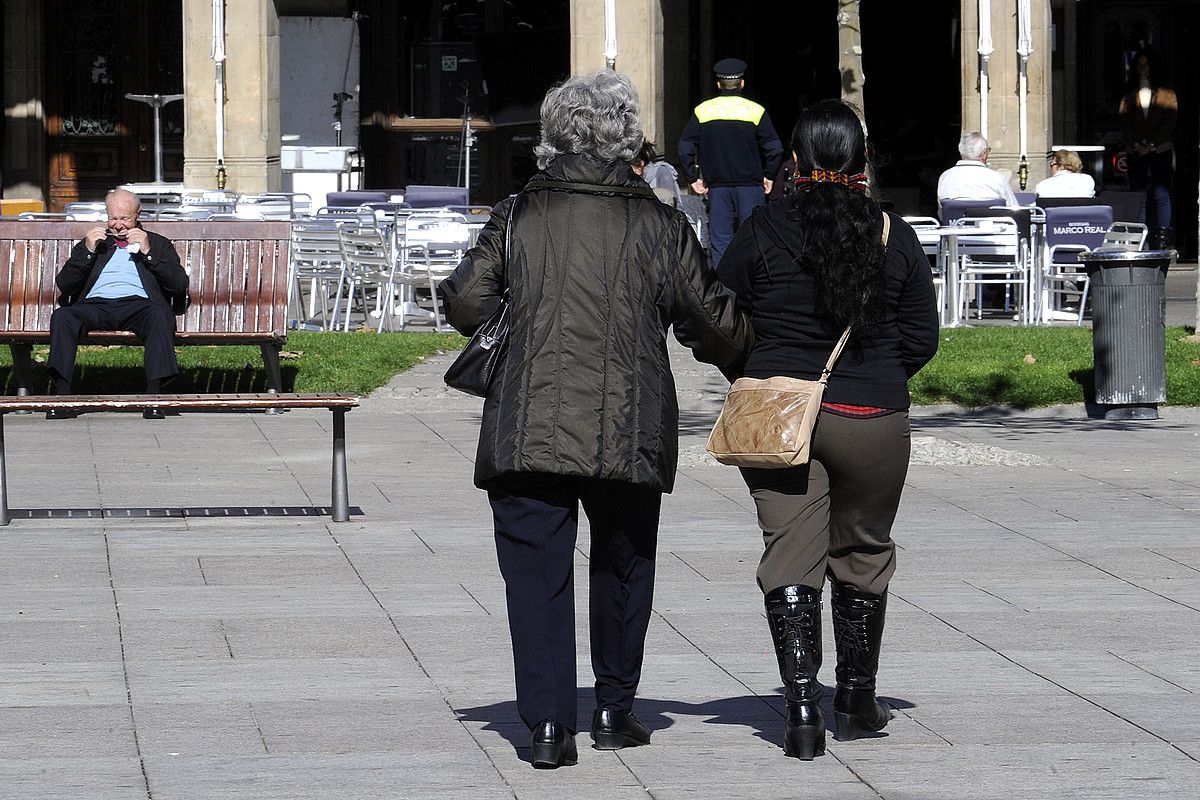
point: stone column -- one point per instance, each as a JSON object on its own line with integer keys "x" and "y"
{"x": 1004, "y": 131}
{"x": 251, "y": 99}
{"x": 24, "y": 145}
{"x": 639, "y": 52}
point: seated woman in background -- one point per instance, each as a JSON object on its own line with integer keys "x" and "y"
{"x": 1067, "y": 178}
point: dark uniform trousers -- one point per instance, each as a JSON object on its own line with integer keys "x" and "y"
{"x": 834, "y": 515}
{"x": 536, "y": 519}
{"x": 153, "y": 324}
{"x": 724, "y": 204}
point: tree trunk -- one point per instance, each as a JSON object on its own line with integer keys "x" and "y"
{"x": 850, "y": 52}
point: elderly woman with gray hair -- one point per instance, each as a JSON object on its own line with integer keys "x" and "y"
{"x": 583, "y": 409}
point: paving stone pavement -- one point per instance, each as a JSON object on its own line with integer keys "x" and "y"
{"x": 1042, "y": 639}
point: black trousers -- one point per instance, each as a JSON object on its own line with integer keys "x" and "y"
{"x": 152, "y": 323}
{"x": 536, "y": 519}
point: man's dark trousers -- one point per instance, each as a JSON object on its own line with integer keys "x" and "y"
{"x": 536, "y": 518}
{"x": 152, "y": 323}
{"x": 724, "y": 203}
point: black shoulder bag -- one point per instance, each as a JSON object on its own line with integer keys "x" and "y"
{"x": 476, "y": 366}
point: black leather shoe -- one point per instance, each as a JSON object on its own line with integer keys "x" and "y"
{"x": 62, "y": 413}
{"x": 154, "y": 413}
{"x": 553, "y": 746}
{"x": 613, "y": 729}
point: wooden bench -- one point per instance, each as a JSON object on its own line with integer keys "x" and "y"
{"x": 339, "y": 404}
{"x": 238, "y": 281}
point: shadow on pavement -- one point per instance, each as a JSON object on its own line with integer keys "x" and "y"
{"x": 763, "y": 715}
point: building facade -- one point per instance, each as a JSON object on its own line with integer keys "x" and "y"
{"x": 427, "y": 68}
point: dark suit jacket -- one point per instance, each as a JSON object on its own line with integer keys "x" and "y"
{"x": 162, "y": 276}
{"x": 1157, "y": 128}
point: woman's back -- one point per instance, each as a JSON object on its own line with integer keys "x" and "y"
{"x": 794, "y": 338}
{"x": 599, "y": 270}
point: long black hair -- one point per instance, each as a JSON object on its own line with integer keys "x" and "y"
{"x": 840, "y": 226}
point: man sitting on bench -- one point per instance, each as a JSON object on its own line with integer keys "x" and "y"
{"x": 118, "y": 278}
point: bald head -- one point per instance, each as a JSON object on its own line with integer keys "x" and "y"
{"x": 125, "y": 197}
{"x": 123, "y": 208}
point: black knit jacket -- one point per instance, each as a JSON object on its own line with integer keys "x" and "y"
{"x": 791, "y": 337}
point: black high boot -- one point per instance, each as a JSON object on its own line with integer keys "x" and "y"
{"x": 794, "y": 616}
{"x": 858, "y": 631}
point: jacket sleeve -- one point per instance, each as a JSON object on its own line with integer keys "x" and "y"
{"x": 689, "y": 144}
{"x": 769, "y": 146}
{"x": 704, "y": 313}
{"x": 916, "y": 313}
{"x": 73, "y": 275}
{"x": 472, "y": 292}
{"x": 163, "y": 263}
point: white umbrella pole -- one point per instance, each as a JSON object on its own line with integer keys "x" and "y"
{"x": 610, "y": 34}
{"x": 218, "y": 56}
{"x": 1024, "y": 50}
{"x": 983, "y": 96}
{"x": 985, "y": 50}
{"x": 1023, "y": 82}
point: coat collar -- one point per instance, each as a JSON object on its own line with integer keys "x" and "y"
{"x": 585, "y": 169}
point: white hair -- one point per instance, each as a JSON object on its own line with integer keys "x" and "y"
{"x": 595, "y": 114}
{"x": 972, "y": 145}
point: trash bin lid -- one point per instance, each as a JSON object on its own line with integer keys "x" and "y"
{"x": 1123, "y": 255}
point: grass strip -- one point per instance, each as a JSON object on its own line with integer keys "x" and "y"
{"x": 1032, "y": 367}
{"x": 975, "y": 366}
{"x": 311, "y": 362}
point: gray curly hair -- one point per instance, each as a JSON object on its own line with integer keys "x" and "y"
{"x": 597, "y": 114}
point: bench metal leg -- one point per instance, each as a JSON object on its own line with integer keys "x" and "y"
{"x": 270, "y": 357}
{"x": 340, "y": 508}
{"x": 3, "y": 478}
{"x": 22, "y": 357}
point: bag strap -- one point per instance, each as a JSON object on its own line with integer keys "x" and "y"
{"x": 841, "y": 343}
{"x": 508, "y": 228}
{"x": 837, "y": 351}
{"x": 508, "y": 234}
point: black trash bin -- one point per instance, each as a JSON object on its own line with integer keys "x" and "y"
{"x": 1129, "y": 340}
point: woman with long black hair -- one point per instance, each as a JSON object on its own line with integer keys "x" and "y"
{"x": 806, "y": 269}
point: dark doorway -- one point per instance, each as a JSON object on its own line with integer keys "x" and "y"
{"x": 913, "y": 98}
{"x": 426, "y": 64}
{"x": 912, "y": 91}
{"x": 1109, "y": 32}
{"x": 95, "y": 55}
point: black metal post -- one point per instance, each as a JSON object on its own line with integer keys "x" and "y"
{"x": 340, "y": 507}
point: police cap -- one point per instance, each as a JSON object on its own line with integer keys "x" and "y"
{"x": 729, "y": 68}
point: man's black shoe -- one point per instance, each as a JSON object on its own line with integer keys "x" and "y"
{"x": 613, "y": 729}
{"x": 553, "y": 746}
{"x": 62, "y": 413}
{"x": 154, "y": 413}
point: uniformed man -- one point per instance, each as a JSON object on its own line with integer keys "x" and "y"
{"x": 729, "y": 151}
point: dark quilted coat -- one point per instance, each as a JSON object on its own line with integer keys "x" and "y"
{"x": 600, "y": 269}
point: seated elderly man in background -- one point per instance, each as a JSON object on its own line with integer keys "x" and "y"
{"x": 972, "y": 179}
{"x": 119, "y": 277}
{"x": 1067, "y": 178}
